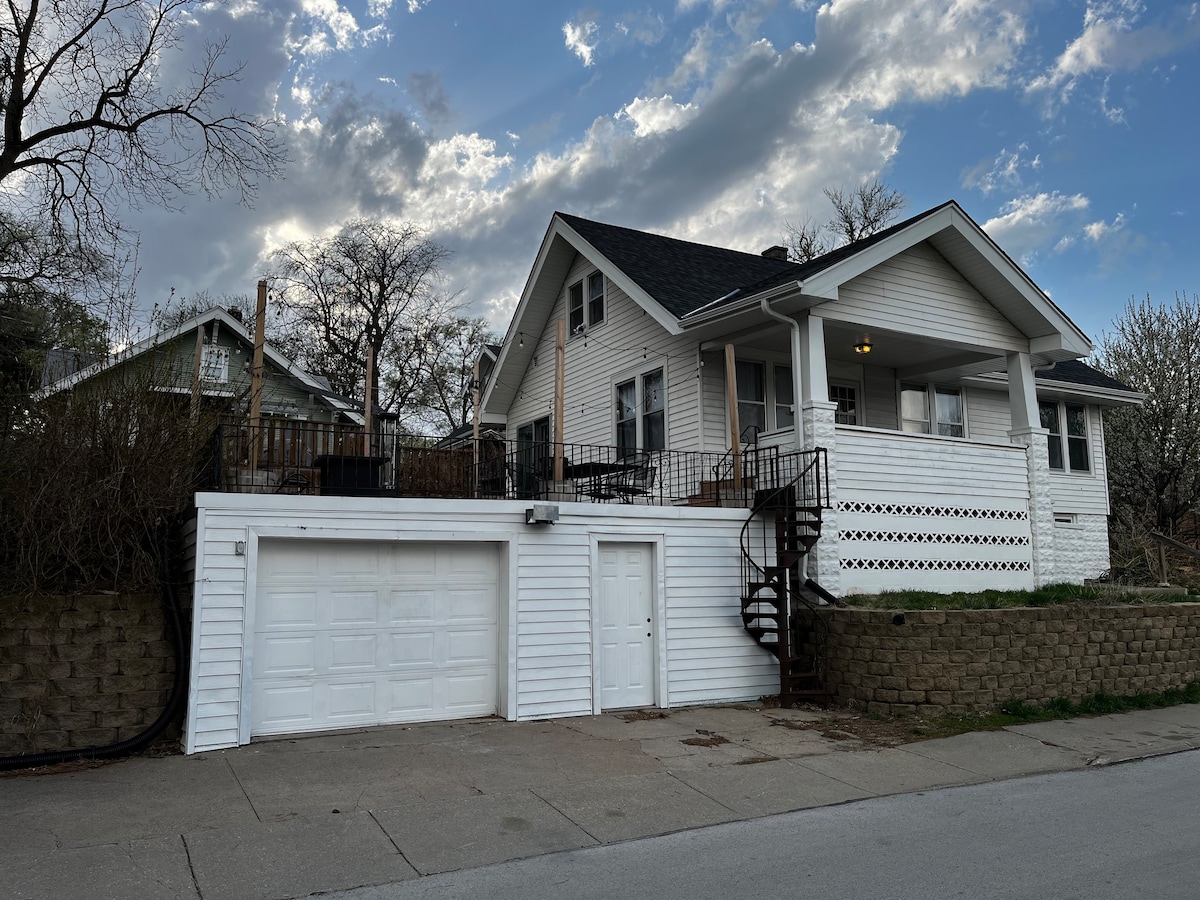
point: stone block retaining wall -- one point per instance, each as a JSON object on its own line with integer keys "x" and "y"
{"x": 81, "y": 671}
{"x": 971, "y": 661}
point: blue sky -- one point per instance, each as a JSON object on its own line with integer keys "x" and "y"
{"x": 1069, "y": 130}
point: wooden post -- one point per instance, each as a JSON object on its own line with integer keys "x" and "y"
{"x": 475, "y": 425}
{"x": 195, "y": 409}
{"x": 731, "y": 400}
{"x": 560, "y": 364}
{"x": 256, "y": 374}
{"x": 367, "y": 407}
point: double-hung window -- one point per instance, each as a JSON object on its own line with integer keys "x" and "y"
{"x": 214, "y": 364}
{"x": 1053, "y": 415}
{"x": 641, "y": 414}
{"x": 575, "y": 307}
{"x": 846, "y": 398}
{"x": 943, "y": 416}
{"x": 590, "y": 312}
{"x": 765, "y": 399}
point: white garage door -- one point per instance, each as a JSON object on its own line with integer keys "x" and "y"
{"x": 351, "y": 633}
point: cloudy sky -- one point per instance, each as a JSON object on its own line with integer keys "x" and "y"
{"x": 1069, "y": 130}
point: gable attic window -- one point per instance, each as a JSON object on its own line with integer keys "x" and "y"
{"x": 595, "y": 299}
{"x": 214, "y": 364}
{"x": 575, "y": 308}
{"x": 579, "y": 314}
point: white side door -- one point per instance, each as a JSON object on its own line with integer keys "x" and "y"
{"x": 626, "y": 612}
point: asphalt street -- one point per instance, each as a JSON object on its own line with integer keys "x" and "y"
{"x": 1102, "y": 833}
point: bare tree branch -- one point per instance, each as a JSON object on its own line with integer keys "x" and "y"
{"x": 857, "y": 214}
{"x": 88, "y": 122}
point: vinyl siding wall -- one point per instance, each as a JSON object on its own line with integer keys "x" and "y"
{"x": 918, "y": 292}
{"x": 627, "y": 344}
{"x": 546, "y": 630}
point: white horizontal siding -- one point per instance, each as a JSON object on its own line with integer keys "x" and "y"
{"x": 919, "y": 292}
{"x": 918, "y": 512}
{"x": 547, "y": 649}
{"x": 628, "y": 343}
{"x": 885, "y": 466}
{"x": 989, "y": 416}
{"x": 879, "y": 402}
{"x": 1084, "y": 493}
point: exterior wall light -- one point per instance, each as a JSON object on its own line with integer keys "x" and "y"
{"x": 863, "y": 346}
{"x": 541, "y": 514}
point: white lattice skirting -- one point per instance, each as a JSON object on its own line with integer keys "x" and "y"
{"x": 937, "y": 565}
{"x": 937, "y": 512}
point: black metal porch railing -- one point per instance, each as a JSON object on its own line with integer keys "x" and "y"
{"x": 294, "y": 457}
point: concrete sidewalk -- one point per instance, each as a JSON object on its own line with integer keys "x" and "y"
{"x": 286, "y": 818}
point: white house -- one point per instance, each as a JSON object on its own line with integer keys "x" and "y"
{"x": 687, "y": 427}
{"x": 964, "y": 437}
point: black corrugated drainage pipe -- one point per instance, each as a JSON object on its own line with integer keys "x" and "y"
{"x": 143, "y": 740}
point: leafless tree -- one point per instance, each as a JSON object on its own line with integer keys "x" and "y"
{"x": 90, "y": 117}
{"x": 431, "y": 391}
{"x": 1153, "y": 465}
{"x": 857, "y": 214}
{"x": 373, "y": 285}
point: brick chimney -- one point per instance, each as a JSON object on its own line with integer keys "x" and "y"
{"x": 776, "y": 252}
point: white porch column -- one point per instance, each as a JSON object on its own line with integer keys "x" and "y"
{"x": 808, "y": 358}
{"x": 1028, "y": 433}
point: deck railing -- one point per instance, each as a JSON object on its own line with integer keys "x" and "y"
{"x": 293, "y": 457}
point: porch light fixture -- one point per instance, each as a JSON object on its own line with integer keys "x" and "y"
{"x": 863, "y": 346}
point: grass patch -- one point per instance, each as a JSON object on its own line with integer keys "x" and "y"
{"x": 1050, "y": 595}
{"x": 1019, "y": 712}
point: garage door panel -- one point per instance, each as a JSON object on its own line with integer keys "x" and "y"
{"x": 475, "y": 605}
{"x": 411, "y": 607}
{"x": 467, "y": 692}
{"x": 383, "y": 633}
{"x": 353, "y": 651}
{"x": 353, "y": 608}
{"x": 279, "y": 655}
{"x": 351, "y": 700}
{"x": 350, "y": 560}
{"x": 412, "y": 649}
{"x": 289, "y": 706}
{"x": 465, "y": 647}
{"x": 286, "y": 609}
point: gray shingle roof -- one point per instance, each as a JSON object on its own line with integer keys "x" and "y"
{"x": 1072, "y": 371}
{"x": 682, "y": 276}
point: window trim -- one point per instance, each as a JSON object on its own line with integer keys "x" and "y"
{"x": 930, "y": 390}
{"x": 640, "y": 413}
{"x": 859, "y": 419}
{"x": 769, "y": 401}
{"x": 591, "y": 301}
{"x": 576, "y": 309}
{"x": 1065, "y": 439}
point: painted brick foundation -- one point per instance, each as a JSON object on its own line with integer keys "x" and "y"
{"x": 976, "y": 660}
{"x": 80, "y": 671}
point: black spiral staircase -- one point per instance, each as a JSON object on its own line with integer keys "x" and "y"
{"x": 779, "y": 601}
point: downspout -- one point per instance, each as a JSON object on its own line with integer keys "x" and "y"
{"x": 797, "y": 379}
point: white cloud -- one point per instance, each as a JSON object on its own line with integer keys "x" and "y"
{"x": 1099, "y": 230}
{"x": 1004, "y": 171}
{"x": 1029, "y": 224}
{"x": 417, "y": 5}
{"x": 332, "y": 28}
{"x": 580, "y": 38}
{"x": 1111, "y": 41}
{"x": 656, "y": 115}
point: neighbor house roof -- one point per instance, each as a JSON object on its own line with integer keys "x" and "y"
{"x": 285, "y": 369}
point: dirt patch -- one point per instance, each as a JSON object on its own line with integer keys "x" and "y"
{"x": 706, "y": 739}
{"x": 644, "y": 715}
